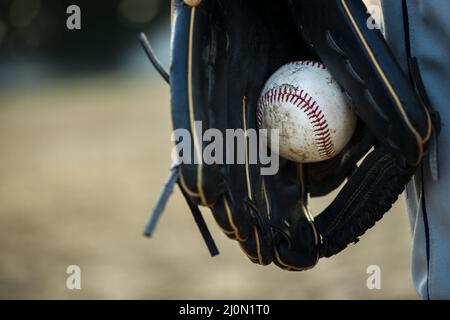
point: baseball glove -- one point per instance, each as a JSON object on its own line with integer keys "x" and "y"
{"x": 223, "y": 51}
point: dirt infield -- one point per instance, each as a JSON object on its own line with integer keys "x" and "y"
{"x": 81, "y": 165}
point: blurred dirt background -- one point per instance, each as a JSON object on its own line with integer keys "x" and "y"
{"x": 82, "y": 161}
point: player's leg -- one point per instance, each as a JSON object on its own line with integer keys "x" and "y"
{"x": 425, "y": 32}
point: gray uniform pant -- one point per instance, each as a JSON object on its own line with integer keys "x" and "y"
{"x": 423, "y": 28}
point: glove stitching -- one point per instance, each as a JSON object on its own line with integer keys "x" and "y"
{"x": 337, "y": 219}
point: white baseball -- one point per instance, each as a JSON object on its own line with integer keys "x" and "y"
{"x": 304, "y": 102}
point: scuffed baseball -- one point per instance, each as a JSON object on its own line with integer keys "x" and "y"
{"x": 305, "y": 103}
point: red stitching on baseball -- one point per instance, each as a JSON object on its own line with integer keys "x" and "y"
{"x": 308, "y": 105}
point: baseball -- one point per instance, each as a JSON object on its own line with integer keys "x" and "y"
{"x": 304, "y": 102}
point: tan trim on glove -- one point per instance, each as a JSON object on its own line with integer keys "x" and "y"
{"x": 231, "y": 221}
{"x": 247, "y": 169}
{"x": 420, "y": 140}
{"x": 197, "y": 148}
